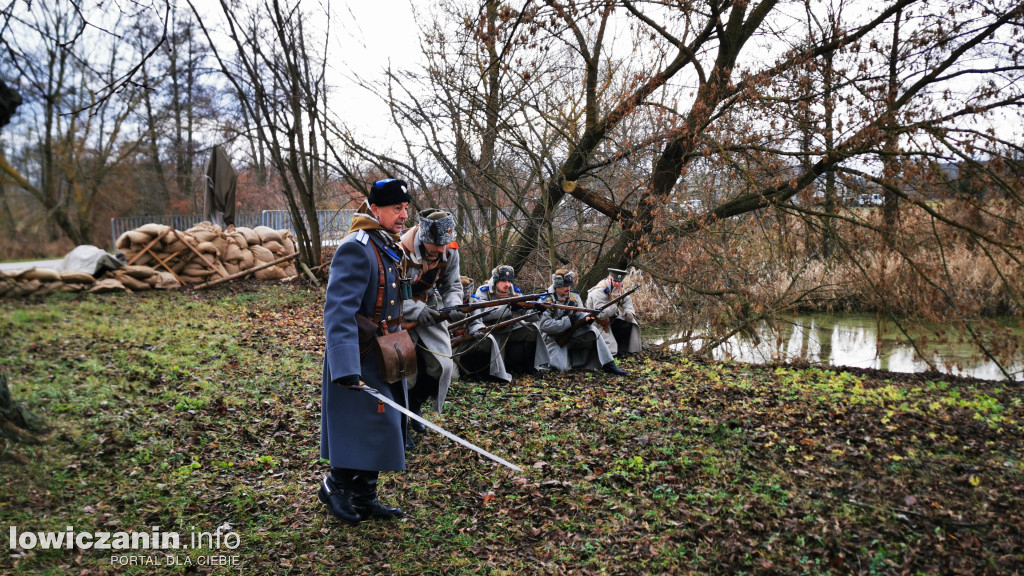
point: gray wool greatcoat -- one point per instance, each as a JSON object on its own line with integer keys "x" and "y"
{"x": 523, "y": 331}
{"x": 354, "y": 432}
{"x": 434, "y": 341}
{"x": 585, "y": 349}
{"x": 599, "y": 296}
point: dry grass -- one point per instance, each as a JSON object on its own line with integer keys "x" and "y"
{"x": 758, "y": 265}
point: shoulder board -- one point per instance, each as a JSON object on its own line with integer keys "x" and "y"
{"x": 453, "y": 245}
{"x": 485, "y": 288}
{"x": 362, "y": 237}
{"x": 517, "y": 290}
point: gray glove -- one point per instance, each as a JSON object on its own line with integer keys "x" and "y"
{"x": 428, "y": 316}
{"x": 455, "y": 315}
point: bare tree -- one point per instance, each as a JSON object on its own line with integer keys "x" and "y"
{"x": 71, "y": 115}
{"x": 283, "y": 71}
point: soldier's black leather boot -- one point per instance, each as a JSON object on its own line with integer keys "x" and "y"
{"x": 337, "y": 493}
{"x": 417, "y": 409}
{"x": 365, "y": 499}
{"x": 612, "y": 368}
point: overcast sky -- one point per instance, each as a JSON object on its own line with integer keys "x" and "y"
{"x": 370, "y": 35}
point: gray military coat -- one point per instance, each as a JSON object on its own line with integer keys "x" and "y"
{"x": 599, "y": 296}
{"x": 434, "y": 340}
{"x": 585, "y": 349}
{"x": 355, "y": 431}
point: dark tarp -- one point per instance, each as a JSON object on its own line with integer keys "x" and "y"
{"x": 220, "y": 188}
{"x": 9, "y": 102}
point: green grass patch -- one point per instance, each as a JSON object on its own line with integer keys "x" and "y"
{"x": 194, "y": 411}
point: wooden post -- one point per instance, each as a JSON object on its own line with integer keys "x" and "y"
{"x": 150, "y": 245}
{"x": 245, "y": 272}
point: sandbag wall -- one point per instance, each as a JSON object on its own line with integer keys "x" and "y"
{"x": 197, "y": 255}
{"x": 205, "y": 252}
{"x": 43, "y": 281}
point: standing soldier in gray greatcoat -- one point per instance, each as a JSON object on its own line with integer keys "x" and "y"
{"x": 358, "y": 435}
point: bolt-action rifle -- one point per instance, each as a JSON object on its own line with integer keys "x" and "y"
{"x": 563, "y": 338}
{"x": 453, "y": 326}
{"x": 444, "y": 313}
{"x": 483, "y": 333}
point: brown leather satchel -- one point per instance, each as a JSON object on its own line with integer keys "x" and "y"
{"x": 395, "y": 351}
{"x": 396, "y": 356}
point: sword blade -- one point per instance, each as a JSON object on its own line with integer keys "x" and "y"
{"x": 373, "y": 392}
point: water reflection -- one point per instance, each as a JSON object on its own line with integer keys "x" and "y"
{"x": 864, "y": 341}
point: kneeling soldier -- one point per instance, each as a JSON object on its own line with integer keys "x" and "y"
{"x": 583, "y": 346}
{"x": 617, "y": 323}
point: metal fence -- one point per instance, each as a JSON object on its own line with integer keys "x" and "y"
{"x": 333, "y": 223}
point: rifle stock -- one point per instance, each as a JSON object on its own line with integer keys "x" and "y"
{"x": 563, "y": 338}
{"x": 498, "y": 326}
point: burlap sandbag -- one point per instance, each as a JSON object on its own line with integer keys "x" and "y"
{"x": 289, "y": 245}
{"x": 41, "y": 274}
{"x": 107, "y": 285}
{"x": 17, "y": 290}
{"x": 131, "y": 237}
{"x": 133, "y": 284}
{"x": 77, "y": 278}
{"x": 138, "y": 272}
{"x": 176, "y": 245}
{"x": 232, "y": 254}
{"x": 261, "y": 254}
{"x": 204, "y": 232}
{"x": 272, "y": 273}
{"x": 196, "y": 270}
{"x": 221, "y": 242}
{"x": 276, "y": 247}
{"x": 192, "y": 279}
{"x": 290, "y": 270}
{"x": 153, "y": 229}
{"x": 237, "y": 239}
{"x": 232, "y": 267}
{"x": 49, "y": 288}
{"x": 74, "y": 287}
{"x": 267, "y": 234}
{"x": 144, "y": 259}
{"x": 166, "y": 281}
{"x": 250, "y": 236}
{"x": 248, "y": 260}
{"x": 208, "y": 248}
{"x": 178, "y": 264}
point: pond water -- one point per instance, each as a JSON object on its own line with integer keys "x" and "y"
{"x": 865, "y": 341}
